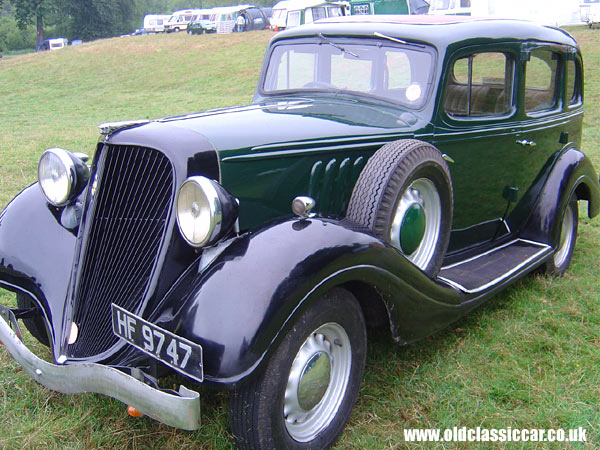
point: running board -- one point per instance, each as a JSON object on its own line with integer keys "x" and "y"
{"x": 480, "y": 272}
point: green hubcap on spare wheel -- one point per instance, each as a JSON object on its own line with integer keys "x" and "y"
{"x": 412, "y": 229}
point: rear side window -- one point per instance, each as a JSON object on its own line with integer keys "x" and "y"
{"x": 541, "y": 87}
{"x": 480, "y": 85}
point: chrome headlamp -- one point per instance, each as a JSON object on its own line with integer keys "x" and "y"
{"x": 61, "y": 175}
{"x": 205, "y": 211}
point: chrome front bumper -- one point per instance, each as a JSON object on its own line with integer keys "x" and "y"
{"x": 180, "y": 411}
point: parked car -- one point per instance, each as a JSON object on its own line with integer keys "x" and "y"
{"x": 392, "y": 171}
{"x": 201, "y": 22}
{"x": 255, "y": 18}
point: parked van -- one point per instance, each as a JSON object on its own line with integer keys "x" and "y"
{"x": 51, "y": 44}
{"x": 292, "y": 13}
{"x": 155, "y": 23}
{"x": 364, "y": 7}
{"x": 179, "y": 20}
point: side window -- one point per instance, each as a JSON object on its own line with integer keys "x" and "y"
{"x": 573, "y": 90}
{"x": 541, "y": 88}
{"x": 479, "y": 85}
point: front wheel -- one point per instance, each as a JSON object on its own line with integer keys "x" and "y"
{"x": 34, "y": 324}
{"x": 305, "y": 395}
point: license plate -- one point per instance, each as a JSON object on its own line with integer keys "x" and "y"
{"x": 170, "y": 349}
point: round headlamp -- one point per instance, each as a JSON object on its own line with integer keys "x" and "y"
{"x": 57, "y": 174}
{"x": 205, "y": 211}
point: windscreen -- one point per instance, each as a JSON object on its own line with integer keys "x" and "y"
{"x": 395, "y": 73}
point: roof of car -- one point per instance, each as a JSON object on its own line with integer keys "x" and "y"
{"x": 437, "y": 30}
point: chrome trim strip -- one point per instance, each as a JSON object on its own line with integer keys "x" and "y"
{"x": 181, "y": 411}
{"x": 544, "y": 249}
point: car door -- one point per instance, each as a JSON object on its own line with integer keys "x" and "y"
{"x": 550, "y": 107}
{"x": 476, "y": 129}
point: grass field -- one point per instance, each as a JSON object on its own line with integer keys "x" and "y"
{"x": 529, "y": 358}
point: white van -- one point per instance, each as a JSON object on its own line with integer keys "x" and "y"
{"x": 292, "y": 13}
{"x": 179, "y": 20}
{"x": 155, "y": 23}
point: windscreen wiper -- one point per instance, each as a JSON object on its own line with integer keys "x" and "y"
{"x": 393, "y": 39}
{"x": 342, "y": 49}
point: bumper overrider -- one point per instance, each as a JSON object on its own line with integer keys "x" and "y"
{"x": 177, "y": 409}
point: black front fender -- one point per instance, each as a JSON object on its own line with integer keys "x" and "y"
{"x": 36, "y": 253}
{"x": 238, "y": 300}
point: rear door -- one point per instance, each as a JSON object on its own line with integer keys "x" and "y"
{"x": 477, "y": 129}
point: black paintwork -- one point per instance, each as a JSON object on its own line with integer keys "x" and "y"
{"x": 238, "y": 298}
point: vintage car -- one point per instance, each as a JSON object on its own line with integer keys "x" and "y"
{"x": 391, "y": 172}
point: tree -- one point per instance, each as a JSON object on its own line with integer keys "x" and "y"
{"x": 94, "y": 19}
{"x": 28, "y": 12}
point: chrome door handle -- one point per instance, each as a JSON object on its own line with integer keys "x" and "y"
{"x": 526, "y": 143}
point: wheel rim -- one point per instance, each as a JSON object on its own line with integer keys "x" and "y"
{"x": 417, "y": 220}
{"x": 317, "y": 382}
{"x": 566, "y": 238}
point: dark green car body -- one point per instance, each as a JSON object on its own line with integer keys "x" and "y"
{"x": 317, "y": 143}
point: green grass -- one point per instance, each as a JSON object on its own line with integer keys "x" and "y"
{"x": 529, "y": 358}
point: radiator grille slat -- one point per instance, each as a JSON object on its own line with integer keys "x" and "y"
{"x": 129, "y": 215}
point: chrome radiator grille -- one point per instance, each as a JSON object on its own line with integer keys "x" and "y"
{"x": 127, "y": 224}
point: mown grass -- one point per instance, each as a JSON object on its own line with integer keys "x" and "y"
{"x": 529, "y": 358}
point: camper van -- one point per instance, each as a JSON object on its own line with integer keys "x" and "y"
{"x": 224, "y": 18}
{"x": 155, "y": 23}
{"x": 451, "y": 7}
{"x": 291, "y": 13}
{"x": 179, "y": 20}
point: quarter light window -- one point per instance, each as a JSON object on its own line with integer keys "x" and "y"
{"x": 541, "y": 91}
{"x": 573, "y": 90}
{"x": 479, "y": 85}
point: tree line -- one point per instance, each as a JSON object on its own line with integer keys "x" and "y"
{"x": 23, "y": 23}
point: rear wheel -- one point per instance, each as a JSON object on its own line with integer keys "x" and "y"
{"x": 35, "y": 325}
{"x": 306, "y": 393}
{"x": 560, "y": 261}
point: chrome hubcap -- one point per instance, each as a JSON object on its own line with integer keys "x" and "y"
{"x": 417, "y": 220}
{"x": 566, "y": 238}
{"x": 317, "y": 382}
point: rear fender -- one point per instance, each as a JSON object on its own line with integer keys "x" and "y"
{"x": 572, "y": 173}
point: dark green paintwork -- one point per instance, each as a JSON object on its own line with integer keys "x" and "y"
{"x": 285, "y": 146}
